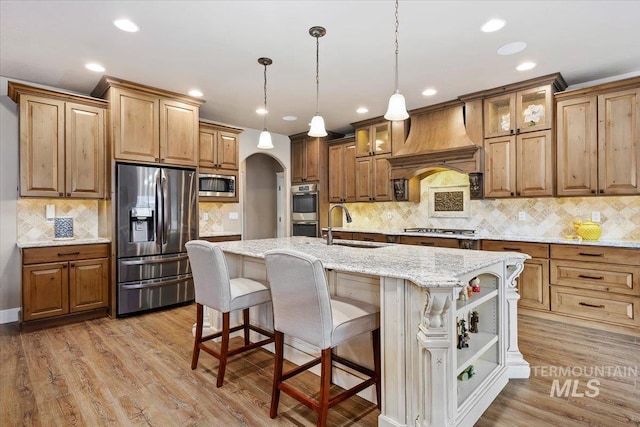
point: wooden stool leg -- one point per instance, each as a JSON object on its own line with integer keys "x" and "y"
{"x": 245, "y": 318}
{"x": 277, "y": 373}
{"x": 224, "y": 349}
{"x": 198, "y": 337}
{"x": 325, "y": 385}
{"x": 376, "y": 365}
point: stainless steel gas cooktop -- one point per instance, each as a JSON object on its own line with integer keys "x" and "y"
{"x": 440, "y": 231}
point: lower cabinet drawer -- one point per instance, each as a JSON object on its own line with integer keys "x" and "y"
{"x": 623, "y": 279}
{"x": 606, "y": 307}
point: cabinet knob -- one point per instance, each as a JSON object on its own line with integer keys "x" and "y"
{"x": 601, "y": 191}
{"x": 517, "y": 193}
{"x": 510, "y": 131}
{"x": 64, "y": 266}
{"x": 68, "y": 194}
{"x": 512, "y": 193}
{"x": 518, "y": 130}
{"x": 73, "y": 264}
{"x": 60, "y": 194}
{"x": 593, "y": 191}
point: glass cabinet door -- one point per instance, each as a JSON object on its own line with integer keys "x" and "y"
{"x": 363, "y": 141}
{"x": 382, "y": 142}
{"x": 499, "y": 116}
{"x": 534, "y": 109}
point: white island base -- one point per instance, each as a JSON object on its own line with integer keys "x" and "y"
{"x": 417, "y": 290}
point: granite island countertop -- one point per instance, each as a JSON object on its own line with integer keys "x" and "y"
{"x": 424, "y": 266}
{"x": 480, "y": 235}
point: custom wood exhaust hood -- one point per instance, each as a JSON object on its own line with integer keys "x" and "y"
{"x": 437, "y": 140}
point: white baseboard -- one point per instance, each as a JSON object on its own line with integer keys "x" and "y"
{"x": 10, "y": 315}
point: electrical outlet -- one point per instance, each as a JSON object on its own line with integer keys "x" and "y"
{"x": 595, "y": 216}
{"x": 522, "y": 216}
{"x": 233, "y": 215}
{"x": 205, "y": 216}
{"x": 389, "y": 215}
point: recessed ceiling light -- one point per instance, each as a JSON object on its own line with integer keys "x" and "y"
{"x": 195, "y": 92}
{"x": 261, "y": 111}
{"x": 94, "y": 67}
{"x": 429, "y": 92}
{"x": 362, "y": 110}
{"x": 493, "y": 25}
{"x": 126, "y": 25}
{"x": 511, "y": 48}
{"x": 290, "y": 118}
{"x": 526, "y": 66}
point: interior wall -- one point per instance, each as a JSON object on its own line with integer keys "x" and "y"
{"x": 9, "y": 254}
{"x": 261, "y": 197}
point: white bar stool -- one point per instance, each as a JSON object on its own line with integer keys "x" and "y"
{"x": 216, "y": 290}
{"x": 303, "y": 308}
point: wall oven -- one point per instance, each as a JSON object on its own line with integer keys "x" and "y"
{"x": 305, "y": 206}
{"x": 216, "y": 185}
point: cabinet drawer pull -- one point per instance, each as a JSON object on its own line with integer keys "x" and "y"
{"x": 591, "y": 305}
{"x": 427, "y": 243}
{"x": 367, "y": 239}
{"x": 587, "y": 254}
{"x": 68, "y": 253}
{"x": 584, "y": 276}
{"x": 512, "y": 249}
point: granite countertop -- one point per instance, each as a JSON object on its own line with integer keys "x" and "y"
{"x": 221, "y": 234}
{"x": 62, "y": 242}
{"x": 426, "y": 267}
{"x": 483, "y": 236}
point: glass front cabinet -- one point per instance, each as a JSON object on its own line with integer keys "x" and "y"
{"x": 518, "y": 112}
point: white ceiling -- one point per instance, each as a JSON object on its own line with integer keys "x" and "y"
{"x": 214, "y": 46}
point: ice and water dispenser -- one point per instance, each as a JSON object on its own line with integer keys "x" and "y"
{"x": 141, "y": 225}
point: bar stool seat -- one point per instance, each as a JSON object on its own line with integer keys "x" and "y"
{"x": 303, "y": 308}
{"x": 216, "y": 290}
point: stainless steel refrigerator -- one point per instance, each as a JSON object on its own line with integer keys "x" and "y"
{"x": 156, "y": 214}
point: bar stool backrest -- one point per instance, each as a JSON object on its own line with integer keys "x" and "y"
{"x": 210, "y": 275}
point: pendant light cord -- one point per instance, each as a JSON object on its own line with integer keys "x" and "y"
{"x": 317, "y": 75}
{"x": 396, "y": 34}
{"x": 265, "y": 96}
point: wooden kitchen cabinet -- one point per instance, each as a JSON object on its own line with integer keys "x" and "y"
{"x": 435, "y": 242}
{"x": 596, "y": 283}
{"x": 519, "y": 165}
{"x": 151, "y": 125}
{"x": 518, "y": 138}
{"x": 373, "y": 140}
{"x": 533, "y": 282}
{"x": 305, "y": 158}
{"x": 342, "y": 171}
{"x": 218, "y": 146}
{"x": 65, "y": 281}
{"x": 373, "y": 179}
{"x": 598, "y": 140}
{"x": 62, "y": 143}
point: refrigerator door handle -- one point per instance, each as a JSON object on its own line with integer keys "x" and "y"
{"x": 159, "y": 261}
{"x": 165, "y": 209}
{"x": 159, "y": 214}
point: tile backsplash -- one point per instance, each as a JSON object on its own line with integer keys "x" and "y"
{"x": 33, "y": 226}
{"x": 546, "y": 217}
{"x": 218, "y": 217}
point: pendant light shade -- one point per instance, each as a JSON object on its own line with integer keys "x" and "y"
{"x": 317, "y": 122}
{"x": 265, "y": 137}
{"x": 397, "y": 109}
{"x": 317, "y": 126}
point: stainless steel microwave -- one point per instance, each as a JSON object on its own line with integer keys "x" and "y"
{"x": 215, "y": 185}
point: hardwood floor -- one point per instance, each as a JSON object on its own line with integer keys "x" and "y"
{"x": 136, "y": 371}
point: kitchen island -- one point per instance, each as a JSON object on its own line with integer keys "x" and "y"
{"x": 417, "y": 290}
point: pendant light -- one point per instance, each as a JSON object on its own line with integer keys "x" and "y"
{"x": 265, "y": 137}
{"x": 397, "y": 108}
{"x": 317, "y": 122}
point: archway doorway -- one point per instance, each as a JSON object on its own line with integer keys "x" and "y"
{"x": 263, "y": 207}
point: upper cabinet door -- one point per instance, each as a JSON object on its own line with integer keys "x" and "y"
{"x": 577, "y": 146}
{"x": 534, "y": 164}
{"x": 500, "y": 167}
{"x": 534, "y": 109}
{"x": 349, "y": 173}
{"x": 336, "y": 173}
{"x": 85, "y": 142}
{"x": 227, "y": 150}
{"x": 382, "y": 179}
{"x": 208, "y": 144}
{"x": 312, "y": 154}
{"x": 364, "y": 177}
{"x": 382, "y": 138}
{"x": 619, "y": 142}
{"x": 41, "y": 146}
{"x": 135, "y": 118}
{"x": 297, "y": 161}
{"x": 499, "y": 115}
{"x": 363, "y": 142}
{"x": 179, "y": 133}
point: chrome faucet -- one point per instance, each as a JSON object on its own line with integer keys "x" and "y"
{"x": 347, "y": 214}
